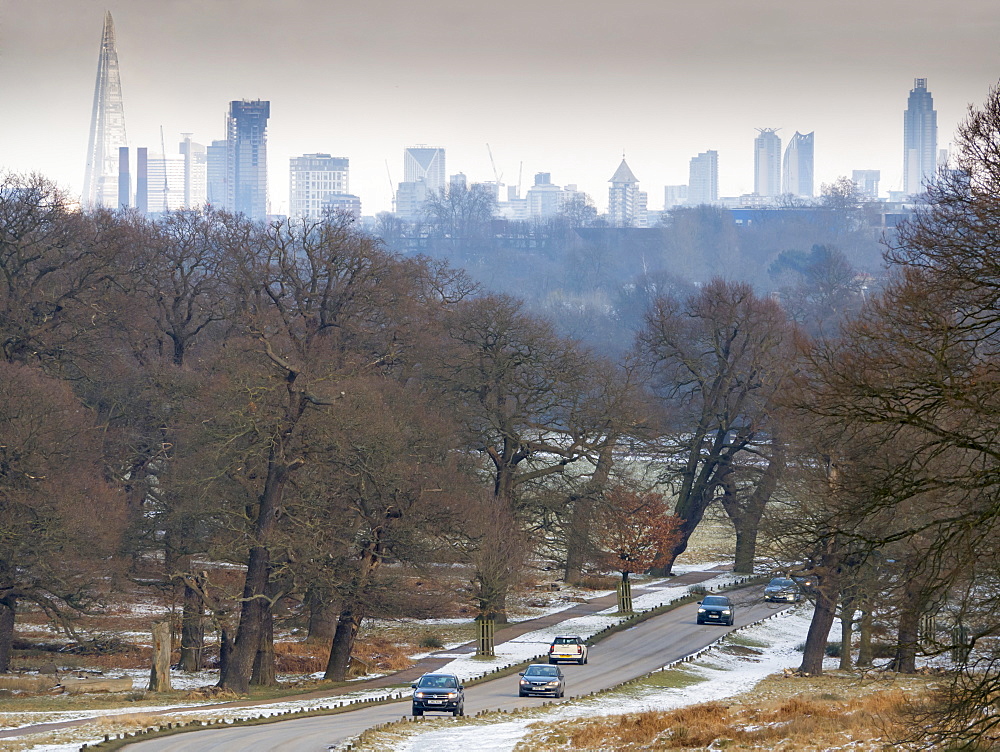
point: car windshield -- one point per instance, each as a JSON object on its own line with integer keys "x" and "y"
{"x": 542, "y": 671}
{"x": 715, "y": 600}
{"x": 567, "y": 640}
{"x": 781, "y": 582}
{"x": 437, "y": 682}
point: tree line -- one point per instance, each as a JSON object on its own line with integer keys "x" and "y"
{"x": 294, "y": 398}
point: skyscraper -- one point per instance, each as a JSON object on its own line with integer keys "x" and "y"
{"x": 703, "y": 179}
{"x": 314, "y": 181}
{"x": 767, "y": 162}
{"x": 798, "y": 168}
{"x": 919, "y": 138}
{"x": 215, "y": 175}
{"x": 867, "y": 182}
{"x": 246, "y": 157}
{"x": 626, "y": 203}
{"x": 424, "y": 163}
{"x": 107, "y": 126}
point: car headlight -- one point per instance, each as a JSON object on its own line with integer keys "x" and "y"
{"x": 452, "y": 695}
{"x": 701, "y": 610}
{"x": 552, "y": 684}
{"x": 525, "y": 681}
{"x": 726, "y": 611}
{"x": 418, "y": 694}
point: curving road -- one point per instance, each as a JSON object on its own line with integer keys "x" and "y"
{"x": 623, "y": 656}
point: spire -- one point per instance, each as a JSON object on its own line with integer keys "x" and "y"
{"x": 623, "y": 174}
{"x": 107, "y": 126}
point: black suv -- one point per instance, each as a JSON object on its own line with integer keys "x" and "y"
{"x": 716, "y": 609}
{"x": 439, "y": 692}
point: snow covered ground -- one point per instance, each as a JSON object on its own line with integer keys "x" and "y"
{"x": 723, "y": 675}
{"x": 519, "y": 649}
{"x": 536, "y": 643}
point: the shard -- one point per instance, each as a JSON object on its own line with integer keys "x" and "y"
{"x": 107, "y": 126}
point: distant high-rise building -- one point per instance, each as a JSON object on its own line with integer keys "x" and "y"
{"x": 798, "y": 167}
{"x": 142, "y": 179}
{"x": 674, "y": 196}
{"x": 410, "y": 199}
{"x": 867, "y": 182}
{"x": 703, "y": 179}
{"x": 246, "y": 157}
{"x": 626, "y": 207}
{"x": 767, "y": 162}
{"x": 424, "y": 163}
{"x": 166, "y": 182}
{"x": 919, "y": 138}
{"x": 314, "y": 180}
{"x": 124, "y": 178}
{"x": 195, "y": 172}
{"x": 215, "y": 175}
{"x": 107, "y": 126}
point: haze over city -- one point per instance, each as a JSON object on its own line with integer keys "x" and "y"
{"x": 564, "y": 88}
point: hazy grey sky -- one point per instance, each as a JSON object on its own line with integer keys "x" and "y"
{"x": 552, "y": 85}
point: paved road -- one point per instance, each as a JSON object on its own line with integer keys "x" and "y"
{"x": 623, "y": 656}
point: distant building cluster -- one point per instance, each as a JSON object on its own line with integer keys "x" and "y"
{"x": 231, "y": 173}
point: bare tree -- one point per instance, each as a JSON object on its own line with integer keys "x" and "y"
{"x": 717, "y": 360}
{"x": 60, "y": 520}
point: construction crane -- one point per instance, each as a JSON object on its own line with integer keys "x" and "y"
{"x": 495, "y": 175}
{"x": 166, "y": 185}
{"x": 392, "y": 186}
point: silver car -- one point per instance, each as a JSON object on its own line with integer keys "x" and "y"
{"x": 782, "y": 590}
{"x": 542, "y": 679}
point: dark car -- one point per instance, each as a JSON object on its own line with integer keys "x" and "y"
{"x": 782, "y": 590}
{"x": 542, "y": 679}
{"x": 438, "y": 692}
{"x": 716, "y": 609}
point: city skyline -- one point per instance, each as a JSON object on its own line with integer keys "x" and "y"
{"x": 544, "y": 86}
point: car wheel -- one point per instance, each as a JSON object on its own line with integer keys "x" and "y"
{"x": 582, "y": 661}
{"x": 561, "y": 692}
{"x": 731, "y": 620}
{"x": 521, "y": 694}
{"x": 417, "y": 712}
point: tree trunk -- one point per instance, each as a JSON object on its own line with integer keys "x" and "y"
{"x": 819, "y": 632}
{"x": 192, "y": 631}
{"x": 225, "y": 652}
{"x": 746, "y": 514}
{"x": 253, "y": 610}
{"x": 323, "y": 615}
{"x": 8, "y": 613}
{"x": 159, "y": 673}
{"x": 847, "y": 611}
{"x": 578, "y": 547}
{"x": 263, "y": 674}
{"x": 578, "y": 538}
{"x": 255, "y": 604}
{"x": 865, "y": 651}
{"x": 908, "y": 634}
{"x": 343, "y": 644}
{"x": 828, "y": 576}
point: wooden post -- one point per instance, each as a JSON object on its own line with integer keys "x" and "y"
{"x": 485, "y": 627}
{"x": 159, "y": 675}
{"x": 624, "y": 597}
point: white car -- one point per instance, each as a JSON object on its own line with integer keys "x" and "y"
{"x": 568, "y": 648}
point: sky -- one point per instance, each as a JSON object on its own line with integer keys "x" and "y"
{"x": 559, "y": 86}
